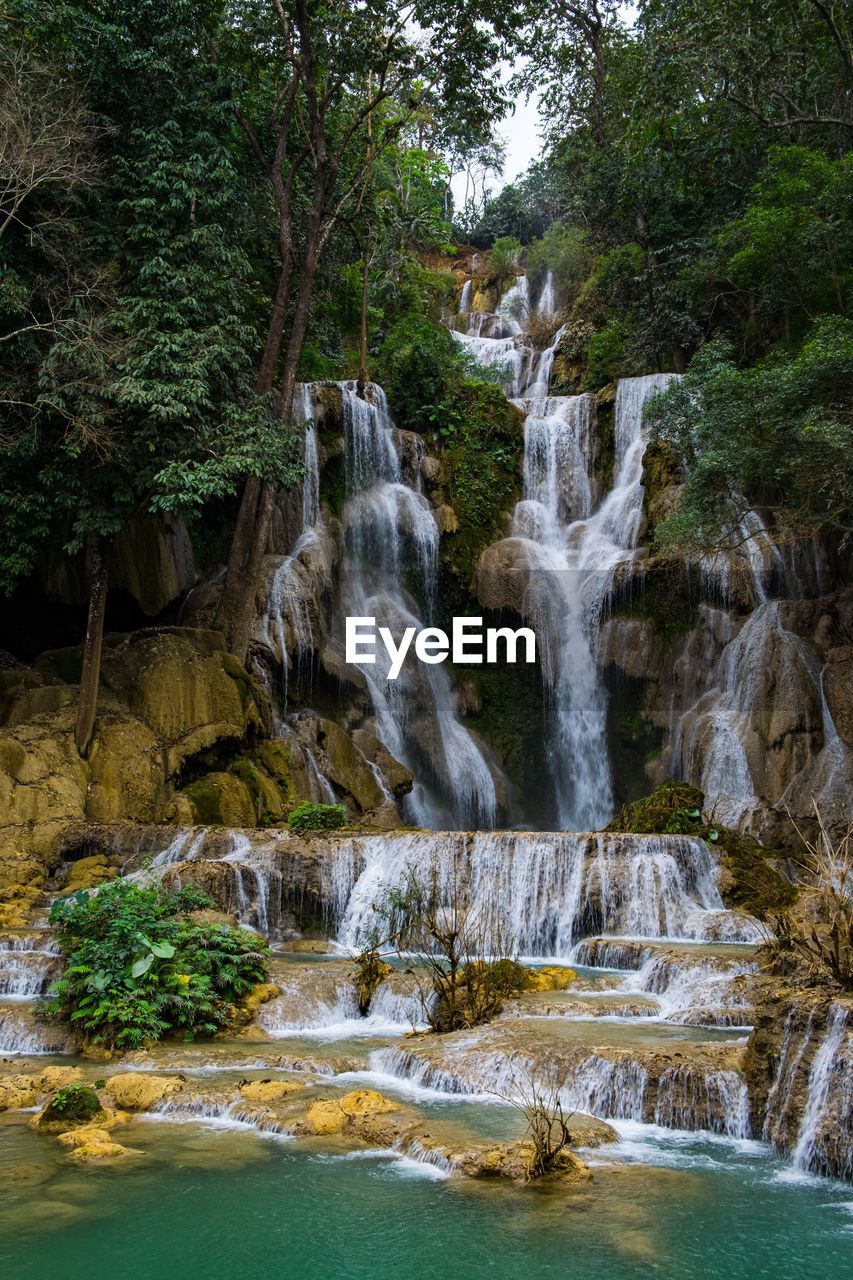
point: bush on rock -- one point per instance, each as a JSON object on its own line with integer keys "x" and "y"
{"x": 318, "y": 817}
{"x": 139, "y": 969}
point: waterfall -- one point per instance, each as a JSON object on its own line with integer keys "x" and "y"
{"x": 465, "y": 299}
{"x": 547, "y": 890}
{"x": 291, "y": 591}
{"x": 388, "y": 537}
{"x": 547, "y": 304}
{"x": 572, "y": 554}
{"x": 389, "y": 528}
{"x": 823, "y": 1143}
{"x": 571, "y": 548}
{"x": 765, "y": 687}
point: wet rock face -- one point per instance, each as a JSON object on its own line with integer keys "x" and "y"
{"x": 180, "y": 736}
{"x": 684, "y": 1086}
{"x": 799, "y": 1067}
{"x": 838, "y": 687}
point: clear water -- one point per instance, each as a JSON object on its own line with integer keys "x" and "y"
{"x": 223, "y": 1205}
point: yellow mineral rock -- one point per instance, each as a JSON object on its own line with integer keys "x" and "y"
{"x": 139, "y": 1092}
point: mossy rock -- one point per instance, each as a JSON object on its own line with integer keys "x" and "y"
{"x": 75, "y": 1104}
{"x": 266, "y": 795}
{"x": 756, "y": 886}
{"x": 221, "y": 800}
{"x": 673, "y": 809}
{"x": 482, "y": 474}
{"x": 664, "y": 596}
{"x": 676, "y": 808}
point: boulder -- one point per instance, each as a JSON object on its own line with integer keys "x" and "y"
{"x": 16, "y": 1091}
{"x": 551, "y": 977}
{"x": 502, "y": 579}
{"x": 265, "y": 1091}
{"x": 351, "y": 1115}
{"x": 100, "y": 1147}
{"x": 53, "y": 1078}
{"x": 260, "y": 994}
{"x": 135, "y": 1091}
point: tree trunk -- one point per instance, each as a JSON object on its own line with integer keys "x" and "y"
{"x": 91, "y": 673}
{"x": 236, "y": 607}
{"x": 362, "y": 344}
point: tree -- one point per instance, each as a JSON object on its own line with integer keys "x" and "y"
{"x": 320, "y": 92}
{"x": 142, "y": 397}
{"x": 778, "y": 435}
{"x": 460, "y": 946}
{"x": 540, "y": 1103}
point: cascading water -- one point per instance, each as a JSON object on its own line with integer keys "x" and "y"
{"x": 823, "y": 1143}
{"x": 571, "y": 548}
{"x": 387, "y": 533}
{"x": 546, "y": 890}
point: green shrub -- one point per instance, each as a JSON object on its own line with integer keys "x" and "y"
{"x": 506, "y": 253}
{"x": 74, "y": 1103}
{"x": 318, "y": 817}
{"x": 139, "y": 969}
{"x": 607, "y": 354}
{"x": 562, "y": 250}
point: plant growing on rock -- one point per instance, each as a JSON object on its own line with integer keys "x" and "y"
{"x": 370, "y": 969}
{"x": 76, "y": 1103}
{"x": 540, "y": 1103}
{"x": 317, "y": 817}
{"x": 819, "y": 933}
{"x": 139, "y": 968}
{"x": 440, "y": 934}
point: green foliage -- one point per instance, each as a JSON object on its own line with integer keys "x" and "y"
{"x": 421, "y": 367}
{"x": 506, "y": 255}
{"x": 75, "y": 1103}
{"x": 779, "y": 434}
{"x": 131, "y": 384}
{"x": 564, "y": 251}
{"x": 607, "y": 354}
{"x": 139, "y": 969}
{"x": 317, "y": 817}
{"x": 483, "y": 462}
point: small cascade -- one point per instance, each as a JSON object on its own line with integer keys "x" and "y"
{"x": 326, "y": 1007}
{"x": 29, "y": 962}
{"x": 547, "y": 890}
{"x": 21, "y": 1033}
{"x": 612, "y": 1085}
{"x": 690, "y": 1098}
{"x": 258, "y": 887}
{"x": 824, "y": 1144}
